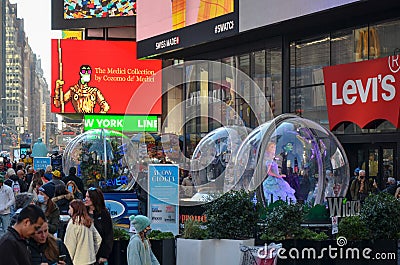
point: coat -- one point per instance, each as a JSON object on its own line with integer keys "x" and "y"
{"x": 14, "y": 249}
{"x": 82, "y": 243}
{"x": 140, "y": 253}
{"x": 103, "y": 223}
{"x": 38, "y": 257}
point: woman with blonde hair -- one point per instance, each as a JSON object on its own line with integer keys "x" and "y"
{"x": 81, "y": 237}
{"x": 73, "y": 188}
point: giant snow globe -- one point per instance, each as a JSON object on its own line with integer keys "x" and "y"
{"x": 292, "y": 159}
{"x": 210, "y": 159}
{"x": 101, "y": 157}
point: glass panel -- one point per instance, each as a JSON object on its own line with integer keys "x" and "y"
{"x": 244, "y": 90}
{"x": 384, "y": 38}
{"x": 342, "y": 47}
{"x": 387, "y": 157}
{"x": 275, "y": 68}
{"x": 203, "y": 83}
{"x": 309, "y": 102}
{"x": 310, "y": 56}
{"x": 371, "y": 164}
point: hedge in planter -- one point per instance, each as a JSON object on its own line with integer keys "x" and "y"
{"x": 232, "y": 216}
{"x": 163, "y": 246}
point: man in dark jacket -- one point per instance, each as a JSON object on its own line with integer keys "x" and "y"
{"x": 13, "y": 245}
{"x": 78, "y": 181}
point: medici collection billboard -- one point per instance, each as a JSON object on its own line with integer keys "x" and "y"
{"x": 93, "y": 76}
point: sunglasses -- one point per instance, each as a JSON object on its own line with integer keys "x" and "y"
{"x": 92, "y": 188}
{"x": 86, "y": 71}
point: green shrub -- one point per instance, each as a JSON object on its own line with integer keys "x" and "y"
{"x": 352, "y": 228}
{"x": 381, "y": 215}
{"x": 283, "y": 222}
{"x": 121, "y": 233}
{"x": 159, "y": 235}
{"x": 232, "y": 216}
{"x": 194, "y": 230}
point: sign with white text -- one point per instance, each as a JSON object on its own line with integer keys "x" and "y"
{"x": 122, "y": 123}
{"x": 163, "y": 197}
{"x": 41, "y": 163}
{"x": 363, "y": 92}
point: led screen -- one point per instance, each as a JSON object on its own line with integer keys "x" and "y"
{"x": 91, "y": 76}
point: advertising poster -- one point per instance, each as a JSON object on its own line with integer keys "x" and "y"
{"x": 41, "y": 163}
{"x": 168, "y": 25}
{"x": 93, "y": 76}
{"x": 163, "y": 198}
{"x": 171, "y": 15}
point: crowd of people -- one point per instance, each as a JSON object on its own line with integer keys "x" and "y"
{"x": 31, "y": 230}
{"x": 361, "y": 186}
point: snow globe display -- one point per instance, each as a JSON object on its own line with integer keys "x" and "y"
{"x": 292, "y": 159}
{"x": 101, "y": 157}
{"x": 210, "y": 159}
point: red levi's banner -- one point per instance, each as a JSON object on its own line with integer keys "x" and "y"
{"x": 363, "y": 92}
{"x": 96, "y": 76}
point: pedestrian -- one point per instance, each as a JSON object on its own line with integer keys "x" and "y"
{"x": 36, "y": 183}
{"x": 62, "y": 197}
{"x": 48, "y": 174}
{"x": 56, "y": 179}
{"x": 13, "y": 245}
{"x": 73, "y": 188}
{"x": 78, "y": 181}
{"x": 21, "y": 201}
{"x": 360, "y": 187}
{"x": 46, "y": 193}
{"x": 7, "y": 200}
{"x": 94, "y": 201}
{"x": 139, "y": 251}
{"x": 46, "y": 249}
{"x": 81, "y": 237}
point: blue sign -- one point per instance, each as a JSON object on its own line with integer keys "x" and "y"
{"x": 121, "y": 205}
{"x": 163, "y": 197}
{"x": 41, "y": 162}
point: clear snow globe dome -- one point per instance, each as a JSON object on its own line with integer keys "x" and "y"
{"x": 101, "y": 157}
{"x": 292, "y": 159}
{"x": 210, "y": 159}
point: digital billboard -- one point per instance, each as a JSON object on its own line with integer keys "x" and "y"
{"x": 70, "y": 14}
{"x": 256, "y": 14}
{"x": 92, "y": 76}
{"x": 165, "y": 25}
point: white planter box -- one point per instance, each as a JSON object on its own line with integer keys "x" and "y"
{"x": 210, "y": 251}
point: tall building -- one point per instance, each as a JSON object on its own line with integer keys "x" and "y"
{"x": 23, "y": 88}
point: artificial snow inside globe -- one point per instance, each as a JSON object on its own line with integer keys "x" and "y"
{"x": 101, "y": 157}
{"x": 211, "y": 158}
{"x": 292, "y": 159}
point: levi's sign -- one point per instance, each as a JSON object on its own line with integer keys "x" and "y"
{"x": 122, "y": 123}
{"x": 363, "y": 92}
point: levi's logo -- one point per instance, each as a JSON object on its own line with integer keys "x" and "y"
{"x": 373, "y": 89}
{"x": 363, "y": 92}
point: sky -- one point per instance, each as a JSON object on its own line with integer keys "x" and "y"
{"x": 37, "y": 25}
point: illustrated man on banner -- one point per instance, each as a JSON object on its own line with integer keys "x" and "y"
{"x": 83, "y": 97}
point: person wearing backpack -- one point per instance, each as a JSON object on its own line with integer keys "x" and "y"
{"x": 17, "y": 184}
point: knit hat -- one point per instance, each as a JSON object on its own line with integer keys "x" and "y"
{"x": 23, "y": 199}
{"x": 56, "y": 174}
{"x": 140, "y": 222}
{"x": 48, "y": 189}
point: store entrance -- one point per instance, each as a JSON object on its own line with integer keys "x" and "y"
{"x": 378, "y": 160}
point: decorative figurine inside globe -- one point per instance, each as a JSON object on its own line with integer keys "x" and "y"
{"x": 211, "y": 158}
{"x": 100, "y": 157}
{"x": 292, "y": 159}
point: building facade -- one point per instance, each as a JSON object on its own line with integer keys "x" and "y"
{"x": 284, "y": 50}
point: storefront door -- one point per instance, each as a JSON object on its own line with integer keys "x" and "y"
{"x": 378, "y": 160}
